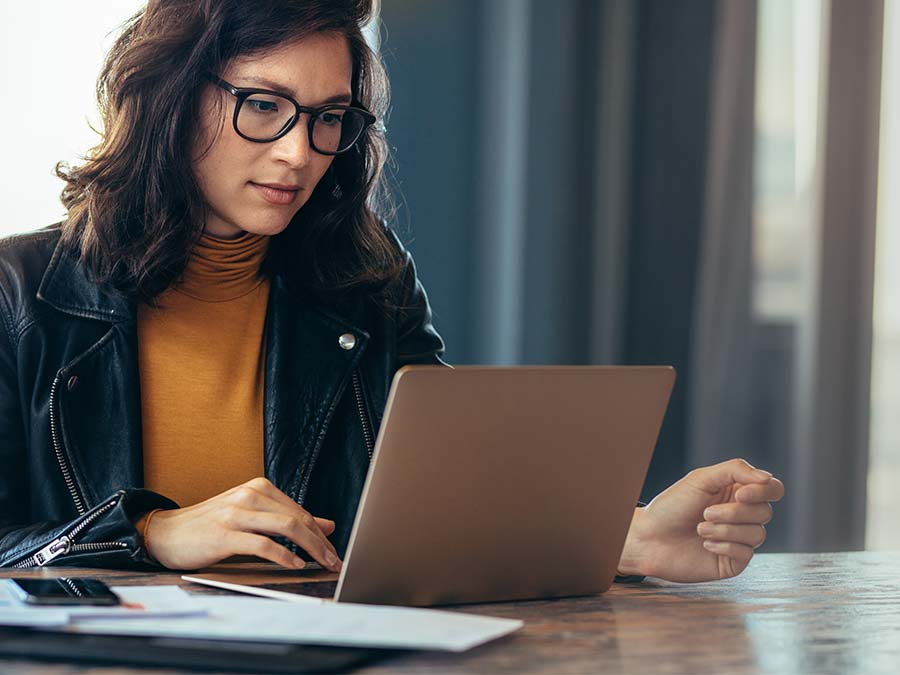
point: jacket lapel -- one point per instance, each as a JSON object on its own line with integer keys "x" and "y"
{"x": 307, "y": 371}
{"x": 97, "y": 396}
{"x": 67, "y": 286}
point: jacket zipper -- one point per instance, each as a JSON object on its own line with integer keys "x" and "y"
{"x": 363, "y": 418}
{"x": 65, "y": 543}
{"x": 58, "y": 447}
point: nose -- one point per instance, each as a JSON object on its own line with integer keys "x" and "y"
{"x": 293, "y": 148}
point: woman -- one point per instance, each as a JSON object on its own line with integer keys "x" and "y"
{"x": 198, "y": 357}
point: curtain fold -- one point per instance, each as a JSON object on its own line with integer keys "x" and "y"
{"x": 722, "y": 349}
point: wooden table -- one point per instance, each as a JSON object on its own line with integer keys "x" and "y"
{"x": 788, "y": 613}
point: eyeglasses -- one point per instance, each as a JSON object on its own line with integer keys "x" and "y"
{"x": 263, "y": 116}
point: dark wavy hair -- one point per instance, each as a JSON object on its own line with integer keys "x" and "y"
{"x": 135, "y": 209}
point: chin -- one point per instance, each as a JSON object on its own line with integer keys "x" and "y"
{"x": 259, "y": 225}
{"x": 268, "y": 230}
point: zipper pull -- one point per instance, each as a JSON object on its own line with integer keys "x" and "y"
{"x": 54, "y": 549}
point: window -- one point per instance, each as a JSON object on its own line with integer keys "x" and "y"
{"x": 884, "y": 454}
{"x": 52, "y": 53}
{"x": 789, "y": 38}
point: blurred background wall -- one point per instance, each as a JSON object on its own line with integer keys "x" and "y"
{"x": 704, "y": 183}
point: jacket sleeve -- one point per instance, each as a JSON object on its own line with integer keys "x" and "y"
{"x": 104, "y": 536}
{"x": 417, "y": 340}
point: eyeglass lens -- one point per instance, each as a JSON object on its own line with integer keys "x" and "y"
{"x": 264, "y": 116}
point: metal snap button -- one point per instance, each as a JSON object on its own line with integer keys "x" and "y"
{"x": 72, "y": 383}
{"x": 347, "y": 341}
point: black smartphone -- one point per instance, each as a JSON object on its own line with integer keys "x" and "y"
{"x": 63, "y": 591}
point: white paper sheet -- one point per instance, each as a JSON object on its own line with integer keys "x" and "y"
{"x": 17, "y": 618}
{"x": 138, "y": 602}
{"x": 345, "y": 624}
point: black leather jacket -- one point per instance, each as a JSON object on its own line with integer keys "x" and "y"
{"x": 71, "y": 466}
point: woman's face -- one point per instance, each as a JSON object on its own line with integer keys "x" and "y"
{"x": 313, "y": 70}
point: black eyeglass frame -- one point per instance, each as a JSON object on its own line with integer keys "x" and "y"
{"x": 243, "y": 93}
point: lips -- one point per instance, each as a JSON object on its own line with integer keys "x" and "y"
{"x": 279, "y": 186}
{"x": 277, "y": 193}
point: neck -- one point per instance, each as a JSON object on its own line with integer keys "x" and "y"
{"x": 223, "y": 269}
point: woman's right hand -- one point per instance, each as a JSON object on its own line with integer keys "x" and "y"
{"x": 237, "y": 522}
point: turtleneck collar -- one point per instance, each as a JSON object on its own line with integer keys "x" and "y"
{"x": 224, "y": 269}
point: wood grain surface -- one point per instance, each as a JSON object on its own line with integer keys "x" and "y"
{"x": 788, "y": 613}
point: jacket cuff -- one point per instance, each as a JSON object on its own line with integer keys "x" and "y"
{"x": 103, "y": 537}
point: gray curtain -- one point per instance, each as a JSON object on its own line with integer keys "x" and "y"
{"x": 793, "y": 396}
{"x": 722, "y": 349}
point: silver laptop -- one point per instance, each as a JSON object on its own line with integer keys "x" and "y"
{"x": 502, "y": 483}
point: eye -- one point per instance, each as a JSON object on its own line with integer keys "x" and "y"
{"x": 331, "y": 118}
{"x": 261, "y": 105}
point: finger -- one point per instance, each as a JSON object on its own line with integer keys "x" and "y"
{"x": 758, "y": 513}
{"x": 301, "y": 530}
{"x": 244, "y": 543}
{"x": 771, "y": 491}
{"x": 327, "y": 526}
{"x": 749, "y": 535}
{"x": 719, "y": 476}
{"x": 738, "y": 552}
{"x": 265, "y": 486}
{"x": 270, "y": 490}
{"x": 260, "y": 495}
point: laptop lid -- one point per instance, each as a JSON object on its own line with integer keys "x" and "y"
{"x": 502, "y": 483}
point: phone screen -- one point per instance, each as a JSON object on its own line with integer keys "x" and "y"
{"x": 64, "y": 591}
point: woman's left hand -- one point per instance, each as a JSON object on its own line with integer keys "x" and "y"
{"x": 704, "y": 527}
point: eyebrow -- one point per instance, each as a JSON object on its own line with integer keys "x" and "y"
{"x": 275, "y": 86}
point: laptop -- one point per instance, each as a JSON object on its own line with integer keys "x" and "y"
{"x": 491, "y": 484}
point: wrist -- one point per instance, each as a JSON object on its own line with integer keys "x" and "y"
{"x": 633, "y": 561}
{"x": 143, "y": 525}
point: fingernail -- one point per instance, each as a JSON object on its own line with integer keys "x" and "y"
{"x": 710, "y": 513}
{"x": 299, "y": 563}
{"x": 705, "y": 528}
{"x": 331, "y": 559}
{"x": 762, "y": 473}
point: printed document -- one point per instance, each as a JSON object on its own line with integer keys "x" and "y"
{"x": 339, "y": 624}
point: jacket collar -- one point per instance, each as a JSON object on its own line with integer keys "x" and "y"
{"x": 67, "y": 286}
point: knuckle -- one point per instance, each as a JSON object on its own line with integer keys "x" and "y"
{"x": 258, "y": 483}
{"x": 286, "y": 523}
{"x": 729, "y": 512}
{"x": 228, "y": 515}
{"x": 740, "y": 462}
{"x": 265, "y": 548}
{"x": 244, "y": 494}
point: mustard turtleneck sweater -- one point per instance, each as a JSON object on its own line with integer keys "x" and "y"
{"x": 202, "y": 369}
